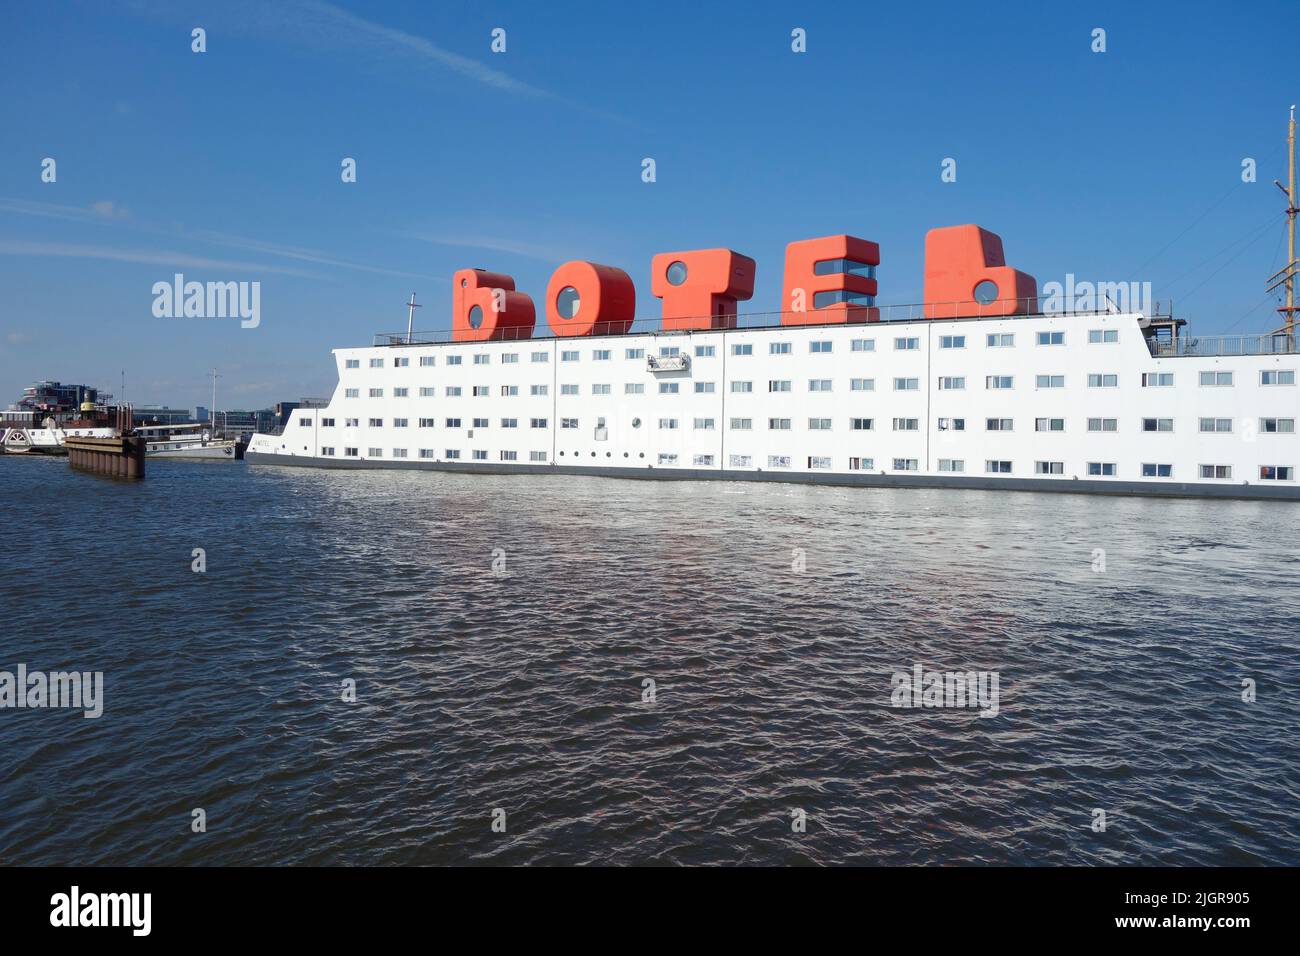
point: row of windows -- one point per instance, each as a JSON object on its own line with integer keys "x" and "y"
{"x": 901, "y": 343}
{"x": 901, "y": 384}
{"x": 992, "y": 466}
{"x": 1268, "y": 426}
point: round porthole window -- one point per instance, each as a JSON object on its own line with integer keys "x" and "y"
{"x": 636, "y": 423}
{"x": 475, "y": 317}
{"x": 567, "y": 302}
{"x": 986, "y": 292}
{"x": 677, "y": 273}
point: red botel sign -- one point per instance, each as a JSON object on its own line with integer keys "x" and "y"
{"x": 831, "y": 280}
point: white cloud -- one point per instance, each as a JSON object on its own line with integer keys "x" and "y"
{"x": 169, "y": 258}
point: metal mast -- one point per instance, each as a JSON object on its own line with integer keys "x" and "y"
{"x": 1287, "y": 275}
{"x": 412, "y": 307}
{"x": 213, "y": 411}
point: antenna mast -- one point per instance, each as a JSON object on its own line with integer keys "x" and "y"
{"x": 1287, "y": 275}
{"x": 412, "y": 307}
{"x": 212, "y": 412}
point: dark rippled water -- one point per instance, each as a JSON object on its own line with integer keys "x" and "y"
{"x": 523, "y": 691}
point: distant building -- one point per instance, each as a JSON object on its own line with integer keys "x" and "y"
{"x": 48, "y": 399}
{"x": 159, "y": 415}
{"x": 236, "y": 423}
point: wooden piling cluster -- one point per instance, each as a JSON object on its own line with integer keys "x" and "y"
{"x": 120, "y": 457}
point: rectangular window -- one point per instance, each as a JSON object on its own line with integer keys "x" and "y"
{"x": 997, "y": 467}
{"x": 819, "y": 347}
{"x": 568, "y": 423}
{"x": 862, "y": 384}
{"x": 426, "y": 391}
{"x": 669, "y": 351}
{"x": 905, "y": 464}
{"x": 741, "y": 461}
{"x": 818, "y": 461}
{"x": 668, "y": 388}
{"x": 600, "y": 389}
{"x": 375, "y": 453}
{"x": 326, "y": 450}
{"x": 1103, "y": 424}
{"x": 1277, "y": 377}
{"x": 1049, "y": 424}
{"x": 351, "y": 393}
{"x": 352, "y": 363}
{"x": 1000, "y": 340}
{"x": 376, "y": 363}
{"x": 778, "y": 461}
{"x": 482, "y": 359}
{"x": 480, "y": 454}
{"x": 1103, "y": 380}
{"x": 451, "y": 453}
{"x": 952, "y": 464}
{"x": 509, "y": 391}
{"x": 997, "y": 424}
{"x": 907, "y": 343}
{"x": 350, "y": 452}
{"x": 953, "y": 424}
{"x": 634, "y": 388}
{"x": 1276, "y": 473}
{"x": 778, "y": 424}
{"x": 399, "y": 422}
{"x": 949, "y": 383}
{"x": 401, "y": 363}
{"x": 453, "y": 359}
{"x": 428, "y": 422}
{"x": 376, "y": 393}
{"x": 1101, "y": 469}
{"x": 861, "y": 424}
{"x": 376, "y": 423}
{"x": 1099, "y": 336}
{"x": 705, "y": 351}
{"x": 778, "y": 348}
{"x": 1049, "y": 468}
{"x": 537, "y": 456}
{"x": 819, "y": 385}
{"x": 742, "y": 386}
{"x": 999, "y": 381}
{"x": 509, "y": 358}
{"x": 906, "y": 424}
{"x": 452, "y": 423}
{"x": 537, "y": 423}
{"x": 1277, "y": 426}
{"x": 509, "y": 423}
{"x": 819, "y": 424}
{"x": 738, "y": 348}
{"x": 1215, "y": 379}
{"x": 1219, "y": 425}
{"x": 702, "y": 461}
{"x": 778, "y": 385}
{"x": 742, "y": 424}
{"x": 426, "y": 361}
{"x": 453, "y": 391}
{"x": 668, "y": 424}
{"x": 864, "y": 345}
{"x": 952, "y": 341}
{"x": 327, "y": 423}
{"x": 634, "y": 353}
{"x": 1157, "y": 424}
{"x": 704, "y": 424}
{"x": 569, "y": 355}
{"x": 399, "y": 452}
{"x": 1049, "y": 381}
{"x": 1051, "y": 338}
{"x": 907, "y": 384}
{"x": 539, "y": 390}
{"x": 426, "y": 452}
{"x": 481, "y": 391}
{"x": 351, "y": 423}
{"x": 510, "y": 456}
{"x": 1157, "y": 379}
{"x": 480, "y": 423}
{"x": 1216, "y": 471}
{"x": 600, "y": 355}
{"x": 862, "y": 464}
{"x": 704, "y": 388}
{"x": 1152, "y": 470}
{"x": 568, "y": 389}
{"x": 541, "y": 357}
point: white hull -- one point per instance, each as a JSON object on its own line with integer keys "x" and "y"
{"x": 196, "y": 450}
{"x": 47, "y": 441}
{"x": 1078, "y": 401}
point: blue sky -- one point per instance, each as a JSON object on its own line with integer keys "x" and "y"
{"x": 1118, "y": 166}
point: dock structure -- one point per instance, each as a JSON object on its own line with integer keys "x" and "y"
{"x": 119, "y": 457}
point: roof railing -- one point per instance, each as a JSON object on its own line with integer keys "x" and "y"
{"x": 1022, "y": 308}
{"x": 1209, "y": 346}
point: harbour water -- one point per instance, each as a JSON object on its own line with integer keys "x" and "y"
{"x": 501, "y": 633}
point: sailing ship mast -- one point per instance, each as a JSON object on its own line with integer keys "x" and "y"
{"x": 1287, "y": 274}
